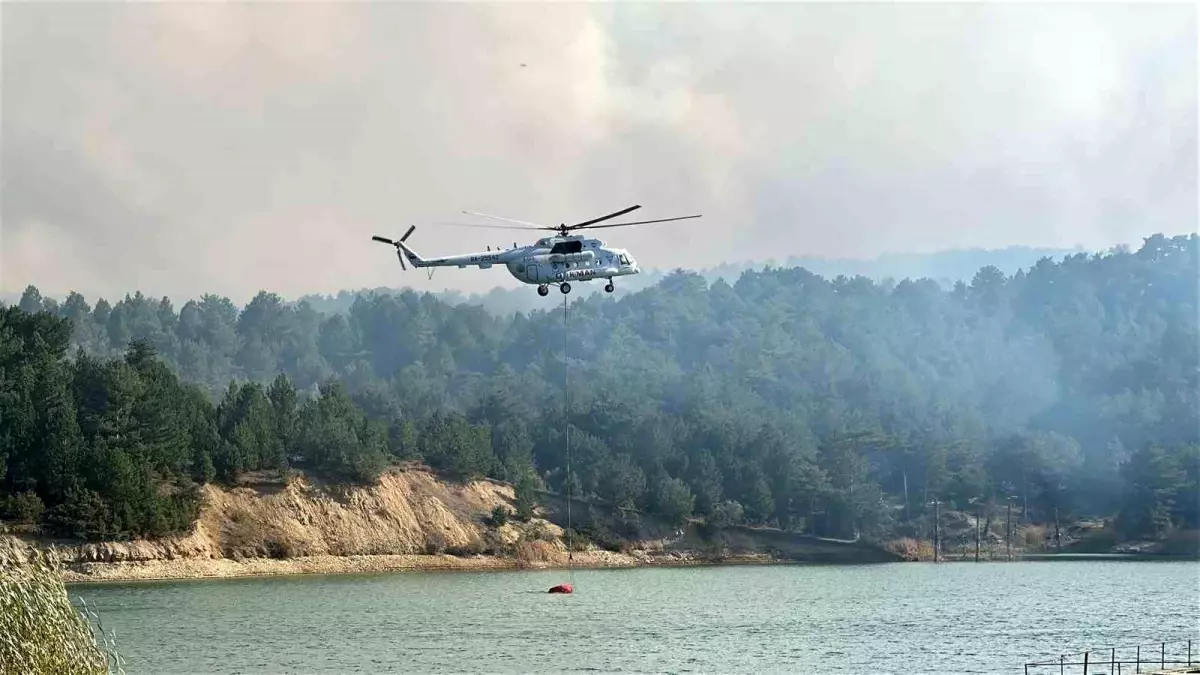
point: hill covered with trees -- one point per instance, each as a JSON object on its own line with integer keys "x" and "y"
{"x": 943, "y": 267}
{"x": 839, "y": 407}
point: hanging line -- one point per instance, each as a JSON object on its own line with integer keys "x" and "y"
{"x": 567, "y": 434}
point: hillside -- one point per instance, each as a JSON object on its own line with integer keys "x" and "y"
{"x": 829, "y": 408}
{"x": 407, "y": 519}
{"x": 944, "y": 267}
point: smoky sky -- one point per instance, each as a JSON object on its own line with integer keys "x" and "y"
{"x": 184, "y": 148}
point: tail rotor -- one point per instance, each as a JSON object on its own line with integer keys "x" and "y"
{"x": 399, "y": 255}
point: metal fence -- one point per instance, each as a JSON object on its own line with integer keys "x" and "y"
{"x": 1152, "y": 657}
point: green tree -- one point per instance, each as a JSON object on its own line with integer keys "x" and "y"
{"x": 674, "y": 500}
{"x": 1157, "y": 485}
{"x": 526, "y": 495}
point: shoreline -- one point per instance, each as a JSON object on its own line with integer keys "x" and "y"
{"x": 82, "y": 572}
{"x": 76, "y": 573}
{"x": 183, "y": 569}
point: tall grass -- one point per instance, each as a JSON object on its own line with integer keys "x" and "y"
{"x": 1035, "y": 537}
{"x": 40, "y": 630}
{"x": 911, "y": 549}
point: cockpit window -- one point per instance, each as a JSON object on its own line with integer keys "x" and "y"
{"x": 574, "y": 246}
{"x": 624, "y": 259}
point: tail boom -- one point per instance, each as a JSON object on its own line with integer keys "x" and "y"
{"x": 480, "y": 259}
{"x": 414, "y": 258}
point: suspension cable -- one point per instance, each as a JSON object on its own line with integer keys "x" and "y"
{"x": 567, "y": 433}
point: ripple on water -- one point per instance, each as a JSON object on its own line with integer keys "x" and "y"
{"x": 961, "y": 618}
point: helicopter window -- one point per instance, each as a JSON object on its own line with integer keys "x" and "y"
{"x": 574, "y": 246}
{"x": 624, "y": 259}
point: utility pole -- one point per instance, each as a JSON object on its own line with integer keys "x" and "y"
{"x": 1057, "y": 531}
{"x": 1057, "y": 535}
{"x": 977, "y": 536}
{"x": 1008, "y": 533}
{"x": 937, "y": 530}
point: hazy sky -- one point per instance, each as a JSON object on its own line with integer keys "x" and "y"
{"x": 183, "y": 148}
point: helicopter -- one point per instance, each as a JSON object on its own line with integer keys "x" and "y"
{"x": 553, "y": 260}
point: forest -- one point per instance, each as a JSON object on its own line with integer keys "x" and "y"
{"x": 841, "y": 407}
{"x": 943, "y": 267}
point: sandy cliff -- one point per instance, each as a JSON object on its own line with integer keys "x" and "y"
{"x": 410, "y": 519}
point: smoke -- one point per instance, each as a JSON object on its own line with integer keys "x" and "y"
{"x": 182, "y": 148}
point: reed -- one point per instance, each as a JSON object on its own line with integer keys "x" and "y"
{"x": 1035, "y": 537}
{"x": 40, "y": 630}
{"x": 911, "y": 549}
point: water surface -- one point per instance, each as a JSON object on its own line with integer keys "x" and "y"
{"x": 890, "y": 618}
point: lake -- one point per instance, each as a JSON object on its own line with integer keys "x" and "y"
{"x": 887, "y": 618}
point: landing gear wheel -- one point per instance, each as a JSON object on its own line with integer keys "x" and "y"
{"x": 609, "y": 288}
{"x": 565, "y": 288}
{"x": 543, "y": 290}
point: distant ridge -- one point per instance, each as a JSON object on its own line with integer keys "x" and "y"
{"x": 944, "y": 267}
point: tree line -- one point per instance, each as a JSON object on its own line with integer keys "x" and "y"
{"x": 840, "y": 407}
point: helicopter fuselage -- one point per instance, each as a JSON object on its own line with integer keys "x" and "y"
{"x": 551, "y": 260}
{"x": 558, "y": 259}
{"x": 555, "y": 260}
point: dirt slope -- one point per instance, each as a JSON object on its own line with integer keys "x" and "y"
{"x": 409, "y": 519}
{"x": 405, "y": 512}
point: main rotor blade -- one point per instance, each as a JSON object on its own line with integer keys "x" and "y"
{"x": 383, "y": 239}
{"x": 510, "y": 220}
{"x": 611, "y": 215}
{"x": 642, "y": 222}
{"x": 493, "y": 227}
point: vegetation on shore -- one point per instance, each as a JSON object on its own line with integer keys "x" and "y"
{"x": 40, "y": 630}
{"x": 958, "y": 541}
{"x": 409, "y": 519}
{"x": 838, "y": 408}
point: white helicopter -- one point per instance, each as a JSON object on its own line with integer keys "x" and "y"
{"x": 558, "y": 259}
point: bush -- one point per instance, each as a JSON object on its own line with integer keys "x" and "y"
{"x": 1094, "y": 540}
{"x": 1182, "y": 542}
{"x": 726, "y": 514}
{"x": 83, "y": 515}
{"x": 534, "y": 551}
{"x": 24, "y": 507}
{"x": 616, "y": 545}
{"x": 473, "y": 547}
{"x": 910, "y": 549}
{"x": 540, "y": 532}
{"x": 499, "y": 517}
{"x": 574, "y": 541}
{"x": 40, "y": 631}
{"x": 674, "y": 500}
{"x": 598, "y": 532}
{"x": 1035, "y": 537}
{"x": 525, "y": 492}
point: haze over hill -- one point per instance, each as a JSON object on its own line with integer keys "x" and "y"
{"x": 186, "y": 148}
{"x": 919, "y": 280}
{"x": 943, "y": 267}
{"x": 836, "y": 407}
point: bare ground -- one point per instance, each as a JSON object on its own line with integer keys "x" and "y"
{"x": 366, "y": 564}
{"x": 409, "y": 520}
